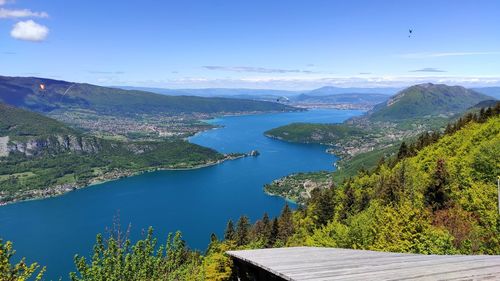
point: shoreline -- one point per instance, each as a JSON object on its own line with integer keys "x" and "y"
{"x": 60, "y": 190}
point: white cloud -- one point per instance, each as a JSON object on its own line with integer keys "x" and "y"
{"x": 21, "y": 13}
{"x": 29, "y": 31}
{"x": 445, "y": 54}
{"x": 428, "y": 69}
{"x": 254, "y": 69}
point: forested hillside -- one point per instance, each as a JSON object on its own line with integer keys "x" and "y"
{"x": 41, "y": 157}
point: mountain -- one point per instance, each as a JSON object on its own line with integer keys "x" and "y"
{"x": 325, "y": 95}
{"x": 41, "y": 157}
{"x": 329, "y": 90}
{"x": 46, "y": 95}
{"x": 215, "y": 92}
{"x": 427, "y": 100}
{"x": 347, "y": 98}
{"x": 490, "y": 91}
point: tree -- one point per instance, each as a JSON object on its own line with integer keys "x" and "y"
{"x": 403, "y": 151}
{"x": 266, "y": 226}
{"x": 229, "y": 234}
{"x": 273, "y": 235}
{"x": 19, "y": 271}
{"x": 242, "y": 231}
{"x": 214, "y": 242}
{"x": 323, "y": 202}
{"x": 349, "y": 200}
{"x": 285, "y": 223}
{"x": 437, "y": 193}
{"x": 262, "y": 228}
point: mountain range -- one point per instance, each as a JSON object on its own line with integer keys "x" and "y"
{"x": 46, "y": 95}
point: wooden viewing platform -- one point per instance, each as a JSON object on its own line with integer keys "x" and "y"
{"x": 310, "y": 263}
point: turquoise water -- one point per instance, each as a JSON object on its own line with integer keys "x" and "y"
{"x": 197, "y": 202}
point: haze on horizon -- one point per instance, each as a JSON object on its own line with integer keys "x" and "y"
{"x": 293, "y": 45}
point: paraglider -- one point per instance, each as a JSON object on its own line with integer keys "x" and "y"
{"x": 42, "y": 87}
{"x": 410, "y": 32}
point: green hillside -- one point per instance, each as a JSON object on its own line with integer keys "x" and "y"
{"x": 427, "y": 100}
{"x": 26, "y": 92}
{"x": 18, "y": 122}
{"x": 42, "y": 157}
{"x": 314, "y": 133}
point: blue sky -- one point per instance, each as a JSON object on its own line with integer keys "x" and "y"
{"x": 281, "y": 44}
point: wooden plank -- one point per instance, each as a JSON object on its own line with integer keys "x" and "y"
{"x": 311, "y": 263}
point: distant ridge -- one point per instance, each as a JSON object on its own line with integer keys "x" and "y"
{"x": 490, "y": 91}
{"x": 45, "y": 95}
{"x": 329, "y": 90}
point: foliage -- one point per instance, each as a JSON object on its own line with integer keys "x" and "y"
{"x": 16, "y": 271}
{"x": 144, "y": 260}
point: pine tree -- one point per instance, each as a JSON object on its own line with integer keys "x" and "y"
{"x": 242, "y": 231}
{"x": 436, "y": 195}
{"x": 324, "y": 202}
{"x": 285, "y": 223}
{"x": 229, "y": 234}
{"x": 256, "y": 232}
{"x": 266, "y": 226}
{"x": 403, "y": 151}
{"x": 349, "y": 201}
{"x": 273, "y": 235}
{"x": 214, "y": 241}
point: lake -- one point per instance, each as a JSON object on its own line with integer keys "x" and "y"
{"x": 197, "y": 202}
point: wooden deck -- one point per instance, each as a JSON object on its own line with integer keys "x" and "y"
{"x": 310, "y": 263}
